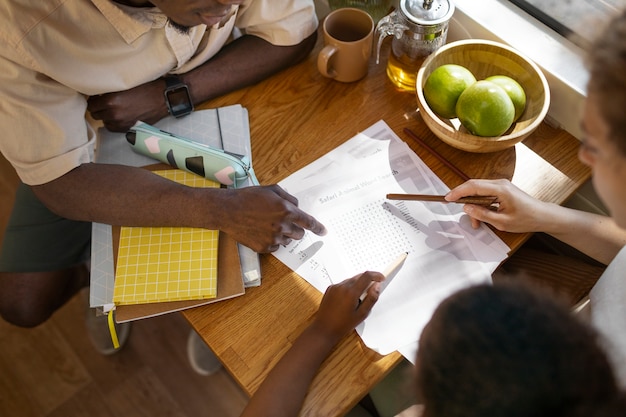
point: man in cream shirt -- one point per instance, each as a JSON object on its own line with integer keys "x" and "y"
{"x": 65, "y": 62}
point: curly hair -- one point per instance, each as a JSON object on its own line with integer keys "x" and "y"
{"x": 606, "y": 60}
{"x": 505, "y": 350}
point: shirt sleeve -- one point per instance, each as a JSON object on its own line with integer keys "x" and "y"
{"x": 280, "y": 22}
{"x": 47, "y": 134}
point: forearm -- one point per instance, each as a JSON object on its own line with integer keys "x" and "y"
{"x": 282, "y": 393}
{"x": 595, "y": 235}
{"x": 115, "y": 194}
{"x": 243, "y": 62}
{"x": 284, "y": 389}
{"x": 261, "y": 217}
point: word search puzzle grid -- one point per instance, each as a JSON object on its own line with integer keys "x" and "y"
{"x": 158, "y": 264}
{"x": 360, "y": 225}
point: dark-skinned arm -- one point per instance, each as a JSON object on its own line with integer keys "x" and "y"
{"x": 282, "y": 393}
{"x": 259, "y": 217}
{"x": 245, "y": 61}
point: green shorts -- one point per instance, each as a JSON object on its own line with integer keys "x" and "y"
{"x": 38, "y": 240}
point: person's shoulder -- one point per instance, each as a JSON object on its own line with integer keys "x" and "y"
{"x": 21, "y": 17}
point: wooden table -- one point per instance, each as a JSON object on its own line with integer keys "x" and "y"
{"x": 296, "y": 117}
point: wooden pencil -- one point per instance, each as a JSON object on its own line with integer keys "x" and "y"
{"x": 389, "y": 273}
{"x": 479, "y": 200}
{"x": 436, "y": 154}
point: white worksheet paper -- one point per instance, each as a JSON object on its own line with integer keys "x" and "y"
{"x": 345, "y": 190}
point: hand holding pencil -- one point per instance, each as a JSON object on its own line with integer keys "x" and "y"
{"x": 517, "y": 211}
{"x": 340, "y": 310}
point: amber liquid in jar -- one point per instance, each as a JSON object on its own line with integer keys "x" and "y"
{"x": 402, "y": 71}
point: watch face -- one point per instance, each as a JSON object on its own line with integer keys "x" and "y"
{"x": 178, "y": 101}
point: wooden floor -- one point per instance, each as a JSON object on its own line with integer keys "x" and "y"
{"x": 53, "y": 370}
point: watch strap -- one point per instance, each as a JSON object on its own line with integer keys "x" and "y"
{"x": 173, "y": 80}
{"x": 183, "y": 104}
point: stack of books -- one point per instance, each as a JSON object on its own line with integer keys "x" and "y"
{"x": 147, "y": 271}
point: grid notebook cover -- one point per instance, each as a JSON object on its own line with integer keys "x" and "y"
{"x": 156, "y": 264}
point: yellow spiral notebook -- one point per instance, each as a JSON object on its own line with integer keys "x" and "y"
{"x": 157, "y": 264}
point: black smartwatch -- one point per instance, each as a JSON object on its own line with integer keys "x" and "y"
{"x": 177, "y": 97}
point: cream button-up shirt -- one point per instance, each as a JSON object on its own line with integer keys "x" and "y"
{"x": 54, "y": 54}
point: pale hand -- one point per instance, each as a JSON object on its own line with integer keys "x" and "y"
{"x": 517, "y": 211}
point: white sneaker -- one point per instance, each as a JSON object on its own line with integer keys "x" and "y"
{"x": 98, "y": 329}
{"x": 201, "y": 358}
{"x": 99, "y": 333}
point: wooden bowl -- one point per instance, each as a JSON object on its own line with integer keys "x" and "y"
{"x": 486, "y": 58}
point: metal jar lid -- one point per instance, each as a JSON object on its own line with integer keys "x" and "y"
{"x": 427, "y": 12}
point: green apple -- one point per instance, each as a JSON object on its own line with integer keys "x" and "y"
{"x": 485, "y": 109}
{"x": 514, "y": 90}
{"x": 444, "y": 86}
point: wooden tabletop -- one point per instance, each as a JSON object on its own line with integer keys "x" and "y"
{"x": 296, "y": 117}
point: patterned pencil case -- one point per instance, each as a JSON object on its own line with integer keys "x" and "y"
{"x": 195, "y": 157}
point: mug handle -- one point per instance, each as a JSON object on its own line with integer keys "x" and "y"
{"x": 323, "y": 59}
